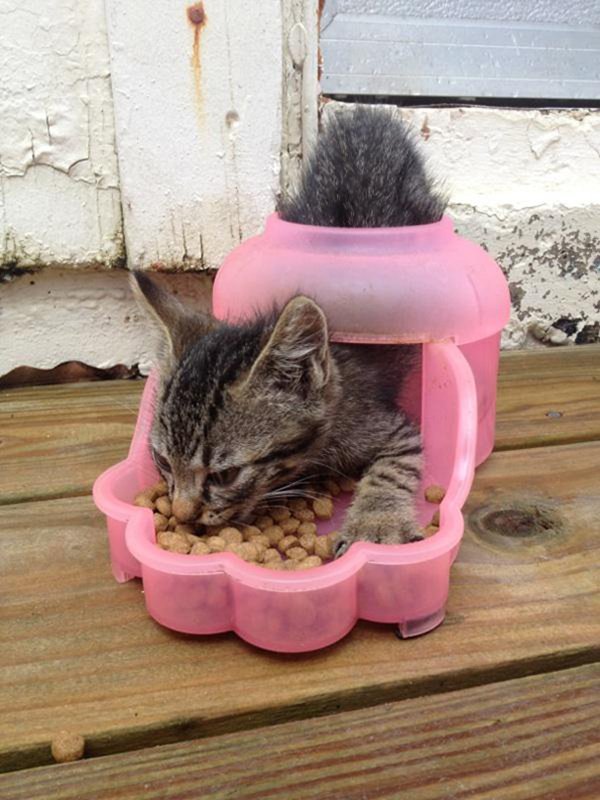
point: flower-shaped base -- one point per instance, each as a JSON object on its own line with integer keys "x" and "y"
{"x": 406, "y": 585}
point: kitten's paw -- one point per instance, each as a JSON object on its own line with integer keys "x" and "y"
{"x": 378, "y": 528}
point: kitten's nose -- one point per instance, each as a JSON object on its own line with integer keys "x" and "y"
{"x": 183, "y": 508}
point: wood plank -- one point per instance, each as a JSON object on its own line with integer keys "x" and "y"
{"x": 79, "y": 651}
{"x": 534, "y": 383}
{"x": 523, "y": 739}
{"x": 55, "y": 440}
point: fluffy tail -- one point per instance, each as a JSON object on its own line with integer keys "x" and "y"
{"x": 365, "y": 172}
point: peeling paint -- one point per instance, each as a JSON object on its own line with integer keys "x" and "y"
{"x": 59, "y": 188}
{"x": 191, "y": 192}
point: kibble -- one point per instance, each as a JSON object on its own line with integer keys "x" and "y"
{"x": 296, "y": 552}
{"x": 174, "y": 542}
{"x": 163, "y": 506}
{"x": 310, "y": 562}
{"x": 231, "y": 535}
{"x": 67, "y": 746}
{"x": 282, "y": 537}
{"x": 435, "y": 494}
{"x": 264, "y": 522}
{"x": 200, "y": 548}
{"x": 274, "y": 534}
{"x": 305, "y": 514}
{"x": 161, "y": 523}
{"x": 287, "y": 542}
{"x": 307, "y": 541}
{"x": 323, "y": 508}
{"x": 323, "y": 548}
{"x": 289, "y": 525}
{"x": 306, "y": 527}
{"x": 216, "y": 543}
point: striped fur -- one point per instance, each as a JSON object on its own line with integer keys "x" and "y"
{"x": 248, "y": 413}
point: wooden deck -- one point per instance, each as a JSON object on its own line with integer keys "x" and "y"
{"x": 501, "y": 702}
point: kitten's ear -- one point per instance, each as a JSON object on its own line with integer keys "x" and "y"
{"x": 296, "y": 357}
{"x": 177, "y": 324}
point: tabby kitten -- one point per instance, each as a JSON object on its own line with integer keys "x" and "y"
{"x": 249, "y": 412}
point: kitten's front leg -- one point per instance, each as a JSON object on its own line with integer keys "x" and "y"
{"x": 383, "y": 509}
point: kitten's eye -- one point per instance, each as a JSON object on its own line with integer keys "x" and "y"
{"x": 226, "y": 476}
{"x": 162, "y": 463}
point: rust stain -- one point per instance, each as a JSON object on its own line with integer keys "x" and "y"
{"x": 197, "y": 18}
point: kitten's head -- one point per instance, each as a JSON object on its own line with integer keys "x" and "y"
{"x": 241, "y": 409}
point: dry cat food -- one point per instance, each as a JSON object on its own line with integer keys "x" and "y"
{"x": 280, "y": 537}
{"x": 67, "y": 746}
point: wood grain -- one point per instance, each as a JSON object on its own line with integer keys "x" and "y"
{"x": 79, "y": 651}
{"x": 531, "y": 739}
{"x": 534, "y": 383}
{"x": 55, "y": 440}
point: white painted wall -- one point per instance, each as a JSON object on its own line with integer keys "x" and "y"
{"x": 59, "y": 195}
{"x": 198, "y": 111}
{"x": 62, "y": 315}
{"x": 525, "y": 184}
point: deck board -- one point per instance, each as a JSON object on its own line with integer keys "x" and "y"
{"x": 79, "y": 651}
{"x": 55, "y": 440}
{"x": 524, "y": 739}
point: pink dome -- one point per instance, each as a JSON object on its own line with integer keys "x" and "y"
{"x": 420, "y": 284}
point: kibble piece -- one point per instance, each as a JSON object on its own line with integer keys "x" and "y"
{"x": 429, "y": 530}
{"x": 280, "y": 513}
{"x": 248, "y": 551}
{"x": 249, "y": 531}
{"x": 181, "y": 527}
{"x": 287, "y": 542}
{"x": 435, "y": 494}
{"x": 67, "y": 746}
{"x": 260, "y": 539}
{"x": 273, "y": 564}
{"x": 216, "y": 544}
{"x": 332, "y": 487}
{"x": 144, "y": 500}
{"x": 161, "y": 523}
{"x": 305, "y": 515}
{"x": 173, "y": 523}
{"x": 297, "y": 553}
{"x": 297, "y": 504}
{"x": 346, "y": 484}
{"x": 307, "y": 527}
{"x": 289, "y": 525}
{"x": 173, "y": 542}
{"x": 274, "y": 534}
{"x": 435, "y": 520}
{"x": 163, "y": 506}
{"x": 264, "y": 522}
{"x": 290, "y": 564}
{"x": 231, "y": 535}
{"x": 271, "y": 554}
{"x": 192, "y": 537}
{"x": 323, "y": 547}
{"x": 200, "y": 548}
{"x": 307, "y": 540}
{"x": 160, "y": 489}
{"x": 310, "y": 562}
{"x": 323, "y": 508}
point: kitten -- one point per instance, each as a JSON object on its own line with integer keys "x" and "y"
{"x": 244, "y": 410}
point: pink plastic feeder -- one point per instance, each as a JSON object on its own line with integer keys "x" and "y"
{"x": 421, "y": 284}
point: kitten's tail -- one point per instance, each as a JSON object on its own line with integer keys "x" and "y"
{"x": 365, "y": 172}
